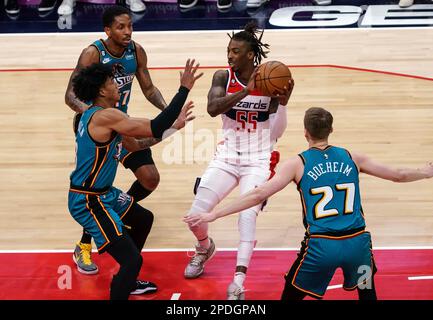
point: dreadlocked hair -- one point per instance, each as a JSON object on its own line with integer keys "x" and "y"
{"x": 253, "y": 37}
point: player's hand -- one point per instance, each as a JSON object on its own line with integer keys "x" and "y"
{"x": 184, "y": 116}
{"x": 195, "y": 219}
{"x": 252, "y": 81}
{"x": 285, "y": 95}
{"x": 187, "y": 76}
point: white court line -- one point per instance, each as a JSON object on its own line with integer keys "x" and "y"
{"x": 218, "y": 249}
{"x": 337, "y": 286}
{"x": 421, "y": 278}
{"x": 175, "y": 296}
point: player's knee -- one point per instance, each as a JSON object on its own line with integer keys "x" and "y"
{"x": 148, "y": 176}
{"x": 153, "y": 180}
{"x": 150, "y": 180}
{"x": 204, "y": 201}
{"x": 199, "y": 206}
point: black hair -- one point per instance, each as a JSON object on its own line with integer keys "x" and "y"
{"x": 111, "y": 13}
{"x": 87, "y": 83}
{"x": 253, "y": 37}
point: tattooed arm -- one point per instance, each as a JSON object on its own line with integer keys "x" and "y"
{"x": 184, "y": 117}
{"x": 88, "y": 56}
{"x": 152, "y": 93}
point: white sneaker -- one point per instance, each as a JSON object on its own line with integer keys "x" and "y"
{"x": 136, "y": 5}
{"x": 255, "y": 3}
{"x": 66, "y": 8}
{"x": 322, "y": 2}
{"x": 195, "y": 266}
{"x": 405, "y": 3}
{"x": 234, "y": 292}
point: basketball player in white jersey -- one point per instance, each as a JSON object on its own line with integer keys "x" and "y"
{"x": 244, "y": 156}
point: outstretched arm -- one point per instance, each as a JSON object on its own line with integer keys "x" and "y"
{"x": 88, "y": 56}
{"x": 286, "y": 172}
{"x": 379, "y": 170}
{"x": 144, "y": 143}
{"x": 152, "y": 93}
{"x": 140, "y": 127}
{"x": 108, "y": 120}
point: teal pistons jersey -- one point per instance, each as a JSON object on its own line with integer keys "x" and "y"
{"x": 329, "y": 191}
{"x": 96, "y": 163}
{"x": 124, "y": 68}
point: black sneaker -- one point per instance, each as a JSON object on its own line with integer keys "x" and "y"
{"x": 186, "y": 4}
{"x": 224, "y": 4}
{"x": 47, "y": 5}
{"x": 143, "y": 287}
{"x": 12, "y": 7}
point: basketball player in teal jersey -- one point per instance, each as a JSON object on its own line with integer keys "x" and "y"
{"x": 328, "y": 182}
{"x": 114, "y": 219}
{"x": 127, "y": 60}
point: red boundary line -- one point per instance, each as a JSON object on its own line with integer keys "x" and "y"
{"x": 223, "y": 67}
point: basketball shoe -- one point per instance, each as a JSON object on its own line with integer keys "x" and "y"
{"x": 12, "y": 7}
{"x": 136, "y": 5}
{"x": 255, "y": 3}
{"x": 66, "y": 8}
{"x": 186, "y": 4}
{"x": 322, "y": 2}
{"x": 224, "y": 4}
{"x": 83, "y": 259}
{"x": 195, "y": 266}
{"x": 47, "y": 5}
{"x": 234, "y": 292}
{"x": 405, "y": 3}
{"x": 143, "y": 287}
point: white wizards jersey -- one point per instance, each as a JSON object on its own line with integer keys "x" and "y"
{"x": 246, "y": 125}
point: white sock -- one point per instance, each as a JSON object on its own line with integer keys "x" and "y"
{"x": 239, "y": 279}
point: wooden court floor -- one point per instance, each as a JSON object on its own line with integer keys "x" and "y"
{"x": 388, "y": 116}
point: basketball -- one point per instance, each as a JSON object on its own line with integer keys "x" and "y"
{"x": 272, "y": 77}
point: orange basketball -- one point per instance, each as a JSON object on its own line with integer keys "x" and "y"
{"x": 272, "y": 77}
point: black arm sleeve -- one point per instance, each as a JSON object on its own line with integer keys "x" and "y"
{"x": 169, "y": 115}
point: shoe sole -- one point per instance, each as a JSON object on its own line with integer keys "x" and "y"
{"x": 241, "y": 297}
{"x": 45, "y": 9}
{"x": 256, "y": 5}
{"x": 187, "y": 6}
{"x": 82, "y": 270}
{"x": 144, "y": 291}
{"x": 227, "y": 6}
{"x": 202, "y": 270}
